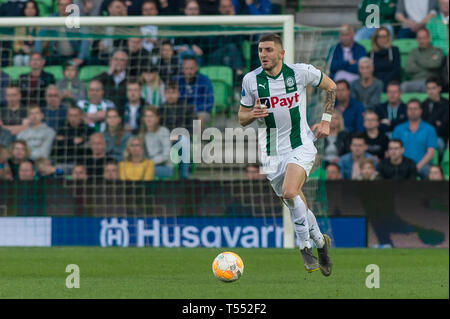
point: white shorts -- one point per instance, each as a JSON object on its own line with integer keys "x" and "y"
{"x": 304, "y": 156}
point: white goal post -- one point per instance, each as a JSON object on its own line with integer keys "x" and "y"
{"x": 285, "y": 21}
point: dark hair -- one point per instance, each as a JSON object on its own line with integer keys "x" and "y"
{"x": 271, "y": 37}
{"x": 122, "y": 1}
{"x": 423, "y": 29}
{"x": 345, "y": 82}
{"x": 357, "y": 135}
{"x": 439, "y": 168}
{"x": 396, "y": 140}
{"x": 335, "y": 165}
{"x": 13, "y": 86}
{"x": 414, "y": 100}
{"x": 150, "y": 1}
{"x": 171, "y": 84}
{"x": 166, "y": 42}
{"x": 396, "y": 83}
{"x": 35, "y": 7}
{"x": 121, "y": 131}
{"x": 433, "y": 79}
{"x": 190, "y": 57}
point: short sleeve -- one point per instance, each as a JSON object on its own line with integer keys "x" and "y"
{"x": 309, "y": 74}
{"x": 247, "y": 98}
{"x": 432, "y": 138}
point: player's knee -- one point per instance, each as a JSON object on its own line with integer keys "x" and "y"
{"x": 289, "y": 193}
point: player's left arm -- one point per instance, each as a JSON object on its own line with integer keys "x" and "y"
{"x": 323, "y": 128}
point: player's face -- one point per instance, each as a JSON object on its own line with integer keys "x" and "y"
{"x": 270, "y": 55}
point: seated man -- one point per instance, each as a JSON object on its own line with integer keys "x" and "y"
{"x": 196, "y": 89}
{"x": 345, "y": 56}
{"x": 38, "y": 135}
{"x": 33, "y": 84}
{"x": 396, "y": 166}
{"x": 111, "y": 171}
{"x": 392, "y": 112}
{"x": 138, "y": 58}
{"x": 413, "y": 14}
{"x": 422, "y": 63}
{"x": 95, "y": 108}
{"x": 26, "y": 171}
{"x": 349, "y": 163}
{"x": 95, "y": 159}
{"x": 351, "y": 109}
{"x": 54, "y": 111}
{"x": 79, "y": 173}
{"x": 169, "y": 65}
{"x": 418, "y": 137}
{"x": 131, "y": 111}
{"x": 376, "y": 141}
{"x": 13, "y": 116}
{"x": 435, "y": 110}
{"x": 367, "y": 89}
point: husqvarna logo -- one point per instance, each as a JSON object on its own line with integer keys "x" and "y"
{"x": 114, "y": 233}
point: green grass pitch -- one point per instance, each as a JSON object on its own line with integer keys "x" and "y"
{"x": 186, "y": 273}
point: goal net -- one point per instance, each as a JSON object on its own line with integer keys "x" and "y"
{"x": 111, "y": 137}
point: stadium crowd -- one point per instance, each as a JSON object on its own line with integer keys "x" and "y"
{"x": 117, "y": 124}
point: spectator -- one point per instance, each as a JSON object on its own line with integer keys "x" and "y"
{"x": 132, "y": 7}
{"x": 138, "y": 57}
{"x": 152, "y": 87}
{"x": 419, "y": 138}
{"x": 169, "y": 65}
{"x": 26, "y": 171}
{"x": 96, "y": 157}
{"x": 79, "y": 173}
{"x": 192, "y": 8}
{"x": 333, "y": 172}
{"x": 435, "y": 173}
{"x": 367, "y": 89}
{"x": 413, "y": 14}
{"x": 150, "y": 9}
{"x": 23, "y": 48}
{"x": 367, "y": 170}
{"x": 4, "y": 83}
{"x": 5, "y": 135}
{"x": 39, "y": 137}
{"x": 196, "y": 89}
{"x": 377, "y": 142}
{"x": 350, "y": 108}
{"x": 12, "y": 8}
{"x": 133, "y": 108}
{"x": 337, "y": 143}
{"x": 116, "y": 137}
{"x": 157, "y": 142}
{"x": 33, "y": 84}
{"x": 95, "y": 108}
{"x": 169, "y": 7}
{"x": 114, "y": 80}
{"x": 135, "y": 167}
{"x": 64, "y": 50}
{"x": 71, "y": 138}
{"x": 435, "y": 110}
{"x": 422, "y": 63}
{"x": 252, "y": 172}
{"x": 5, "y": 172}
{"x": 14, "y": 116}
{"x": 45, "y": 169}
{"x": 54, "y": 111}
{"x": 111, "y": 172}
{"x": 255, "y": 7}
{"x": 88, "y": 7}
{"x": 438, "y": 27}
{"x": 386, "y": 14}
{"x": 174, "y": 112}
{"x": 19, "y": 153}
{"x": 349, "y": 163}
{"x": 385, "y": 57}
{"x": 71, "y": 87}
{"x": 345, "y": 56}
{"x": 392, "y": 112}
{"x": 396, "y": 166}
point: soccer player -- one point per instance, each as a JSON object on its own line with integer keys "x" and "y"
{"x": 275, "y": 96}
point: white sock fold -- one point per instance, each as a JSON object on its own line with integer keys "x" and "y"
{"x": 299, "y": 219}
{"x": 314, "y": 230}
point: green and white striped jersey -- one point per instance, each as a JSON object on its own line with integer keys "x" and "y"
{"x": 285, "y": 97}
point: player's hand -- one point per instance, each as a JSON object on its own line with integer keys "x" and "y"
{"x": 321, "y": 129}
{"x": 259, "y": 110}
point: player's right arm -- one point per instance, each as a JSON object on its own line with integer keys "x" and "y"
{"x": 247, "y": 115}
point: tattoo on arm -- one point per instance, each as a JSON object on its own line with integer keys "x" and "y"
{"x": 329, "y": 101}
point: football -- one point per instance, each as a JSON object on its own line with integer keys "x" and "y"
{"x": 228, "y": 266}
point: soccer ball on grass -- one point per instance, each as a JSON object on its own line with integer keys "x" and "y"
{"x": 228, "y": 266}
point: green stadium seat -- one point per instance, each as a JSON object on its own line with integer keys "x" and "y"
{"x": 405, "y": 45}
{"x": 219, "y": 73}
{"x": 407, "y": 96}
{"x": 222, "y": 96}
{"x": 89, "y": 72}
{"x": 445, "y": 95}
{"x": 56, "y": 70}
{"x": 16, "y": 71}
{"x": 366, "y": 44}
{"x": 247, "y": 54}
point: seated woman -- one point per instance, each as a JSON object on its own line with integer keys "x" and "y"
{"x": 385, "y": 57}
{"x": 22, "y": 48}
{"x": 136, "y": 167}
{"x": 338, "y": 142}
{"x": 157, "y": 142}
{"x": 116, "y": 137}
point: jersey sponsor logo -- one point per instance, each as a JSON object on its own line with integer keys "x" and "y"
{"x": 274, "y": 101}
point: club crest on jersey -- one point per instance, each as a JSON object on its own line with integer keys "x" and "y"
{"x": 276, "y": 101}
{"x": 290, "y": 81}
